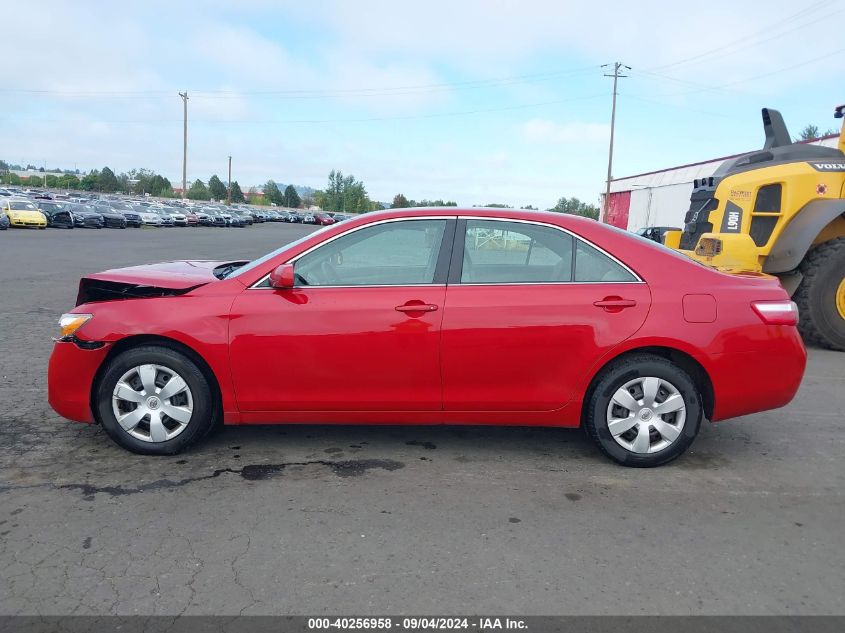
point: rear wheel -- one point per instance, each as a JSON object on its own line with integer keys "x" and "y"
{"x": 155, "y": 401}
{"x": 821, "y": 295}
{"x": 644, "y": 411}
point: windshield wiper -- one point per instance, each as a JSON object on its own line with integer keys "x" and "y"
{"x": 225, "y": 271}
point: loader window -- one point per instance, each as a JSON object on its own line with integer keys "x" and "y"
{"x": 768, "y": 199}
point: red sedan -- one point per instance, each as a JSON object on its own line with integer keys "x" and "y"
{"x": 433, "y": 316}
{"x": 323, "y": 219}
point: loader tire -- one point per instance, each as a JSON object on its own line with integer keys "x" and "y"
{"x": 821, "y": 295}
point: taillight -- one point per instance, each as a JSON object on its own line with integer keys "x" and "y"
{"x": 776, "y": 312}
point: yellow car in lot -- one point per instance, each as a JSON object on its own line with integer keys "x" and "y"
{"x": 23, "y": 213}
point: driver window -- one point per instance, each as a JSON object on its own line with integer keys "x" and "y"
{"x": 390, "y": 254}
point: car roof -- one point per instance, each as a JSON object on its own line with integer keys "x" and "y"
{"x": 549, "y": 217}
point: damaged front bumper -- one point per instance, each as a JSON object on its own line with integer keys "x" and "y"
{"x": 70, "y": 377}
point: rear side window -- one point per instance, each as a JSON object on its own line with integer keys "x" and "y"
{"x": 591, "y": 265}
{"x": 515, "y": 252}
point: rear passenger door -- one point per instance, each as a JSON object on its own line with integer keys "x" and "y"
{"x": 530, "y": 308}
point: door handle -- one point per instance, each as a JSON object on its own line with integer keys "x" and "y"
{"x": 615, "y": 304}
{"x": 417, "y": 307}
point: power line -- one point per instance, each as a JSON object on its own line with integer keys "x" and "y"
{"x": 316, "y": 93}
{"x": 778, "y": 36}
{"x": 744, "y": 41}
{"x": 745, "y": 80}
{"x": 682, "y": 107}
{"x": 322, "y": 121}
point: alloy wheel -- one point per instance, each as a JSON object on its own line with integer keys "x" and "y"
{"x": 646, "y": 415}
{"x": 152, "y": 403}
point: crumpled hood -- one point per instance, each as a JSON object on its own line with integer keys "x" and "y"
{"x": 182, "y": 274}
{"x": 149, "y": 280}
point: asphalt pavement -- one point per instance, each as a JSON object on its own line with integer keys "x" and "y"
{"x": 393, "y": 520}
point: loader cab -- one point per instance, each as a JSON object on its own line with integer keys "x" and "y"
{"x": 781, "y": 211}
{"x": 747, "y": 195}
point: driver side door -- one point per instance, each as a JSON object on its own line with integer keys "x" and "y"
{"x": 360, "y": 331}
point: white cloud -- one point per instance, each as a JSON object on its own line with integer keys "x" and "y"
{"x": 543, "y": 131}
{"x": 338, "y": 47}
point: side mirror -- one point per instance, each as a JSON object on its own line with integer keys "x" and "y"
{"x": 282, "y": 277}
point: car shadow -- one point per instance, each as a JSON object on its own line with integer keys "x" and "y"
{"x": 463, "y": 443}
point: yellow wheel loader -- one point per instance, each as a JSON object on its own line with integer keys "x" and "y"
{"x": 779, "y": 211}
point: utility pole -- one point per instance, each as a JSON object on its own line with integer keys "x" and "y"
{"x": 617, "y": 67}
{"x": 184, "y": 96}
{"x": 229, "y": 184}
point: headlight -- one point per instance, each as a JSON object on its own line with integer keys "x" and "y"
{"x": 70, "y": 323}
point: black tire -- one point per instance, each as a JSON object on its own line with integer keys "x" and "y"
{"x": 823, "y": 271}
{"x": 618, "y": 374}
{"x": 205, "y": 413}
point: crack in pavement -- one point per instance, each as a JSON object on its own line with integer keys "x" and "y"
{"x": 250, "y": 472}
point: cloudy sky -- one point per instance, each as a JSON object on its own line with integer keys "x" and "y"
{"x": 471, "y": 100}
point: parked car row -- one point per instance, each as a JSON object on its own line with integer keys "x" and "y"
{"x": 39, "y": 209}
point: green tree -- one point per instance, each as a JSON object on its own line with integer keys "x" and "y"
{"x": 68, "y": 181}
{"x": 108, "y": 182}
{"x": 237, "y": 194}
{"x": 344, "y": 193}
{"x": 809, "y": 133}
{"x": 90, "y": 181}
{"x": 574, "y": 206}
{"x": 147, "y": 181}
{"x": 216, "y": 188}
{"x": 255, "y": 197}
{"x": 198, "y": 191}
{"x": 272, "y": 193}
{"x": 399, "y": 202}
{"x": 291, "y": 198}
{"x": 160, "y": 186}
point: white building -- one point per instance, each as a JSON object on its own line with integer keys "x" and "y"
{"x": 661, "y": 198}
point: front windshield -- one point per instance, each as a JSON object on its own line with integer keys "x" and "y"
{"x": 261, "y": 260}
{"x": 22, "y": 206}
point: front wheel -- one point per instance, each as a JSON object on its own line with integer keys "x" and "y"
{"x": 644, "y": 411}
{"x": 155, "y": 401}
{"x": 821, "y": 295}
